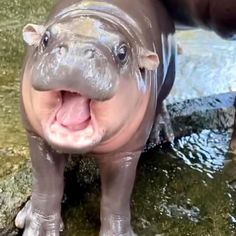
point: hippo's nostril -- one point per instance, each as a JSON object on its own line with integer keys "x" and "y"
{"x": 62, "y": 50}
{"x": 89, "y": 53}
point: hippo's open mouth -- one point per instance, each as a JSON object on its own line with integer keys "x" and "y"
{"x": 74, "y": 113}
{"x": 72, "y": 126}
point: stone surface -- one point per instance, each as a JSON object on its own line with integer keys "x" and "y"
{"x": 193, "y": 115}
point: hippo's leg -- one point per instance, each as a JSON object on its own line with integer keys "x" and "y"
{"x": 117, "y": 177}
{"x": 233, "y": 138}
{"x": 41, "y": 216}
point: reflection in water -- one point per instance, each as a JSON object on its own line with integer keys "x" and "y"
{"x": 190, "y": 212}
{"x": 205, "y": 151}
{"x": 186, "y": 190}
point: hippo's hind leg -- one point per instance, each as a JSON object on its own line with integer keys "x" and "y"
{"x": 117, "y": 177}
{"x": 233, "y": 137}
{"x": 41, "y": 216}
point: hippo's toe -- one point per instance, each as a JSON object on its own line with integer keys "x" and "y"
{"x": 36, "y": 224}
{"x": 108, "y": 232}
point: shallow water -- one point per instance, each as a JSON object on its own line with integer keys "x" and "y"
{"x": 187, "y": 190}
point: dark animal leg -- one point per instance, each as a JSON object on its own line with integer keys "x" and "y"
{"x": 41, "y": 215}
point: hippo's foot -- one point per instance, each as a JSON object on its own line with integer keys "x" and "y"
{"x": 111, "y": 233}
{"x": 37, "y": 224}
{"x": 116, "y": 226}
{"x": 180, "y": 50}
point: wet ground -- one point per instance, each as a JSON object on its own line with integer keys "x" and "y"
{"x": 188, "y": 189}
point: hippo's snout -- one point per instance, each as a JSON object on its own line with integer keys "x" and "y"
{"x": 79, "y": 66}
{"x": 87, "y": 51}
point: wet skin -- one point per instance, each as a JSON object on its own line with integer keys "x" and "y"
{"x": 215, "y": 15}
{"x": 93, "y": 82}
{"x": 94, "y": 79}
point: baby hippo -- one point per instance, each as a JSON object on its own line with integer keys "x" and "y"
{"x": 94, "y": 79}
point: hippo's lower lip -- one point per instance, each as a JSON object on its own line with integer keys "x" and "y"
{"x": 65, "y": 134}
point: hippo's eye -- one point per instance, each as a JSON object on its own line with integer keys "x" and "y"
{"x": 122, "y": 53}
{"x": 45, "y": 39}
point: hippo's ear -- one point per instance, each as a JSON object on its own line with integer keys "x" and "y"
{"x": 148, "y": 59}
{"x": 32, "y": 34}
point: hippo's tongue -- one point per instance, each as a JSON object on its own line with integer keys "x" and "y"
{"x": 74, "y": 111}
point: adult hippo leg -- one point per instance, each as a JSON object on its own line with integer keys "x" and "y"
{"x": 117, "y": 176}
{"x": 41, "y": 215}
{"x": 233, "y": 137}
{"x": 210, "y": 14}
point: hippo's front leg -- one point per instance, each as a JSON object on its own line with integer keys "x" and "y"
{"x": 117, "y": 176}
{"x": 41, "y": 215}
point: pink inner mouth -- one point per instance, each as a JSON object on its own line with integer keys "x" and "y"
{"x": 74, "y": 113}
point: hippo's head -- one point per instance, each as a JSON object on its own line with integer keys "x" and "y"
{"x": 86, "y": 84}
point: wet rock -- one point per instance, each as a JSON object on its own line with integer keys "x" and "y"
{"x": 15, "y": 189}
{"x": 194, "y": 115}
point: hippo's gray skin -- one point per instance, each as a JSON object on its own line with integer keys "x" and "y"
{"x": 217, "y": 15}
{"x": 93, "y": 82}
